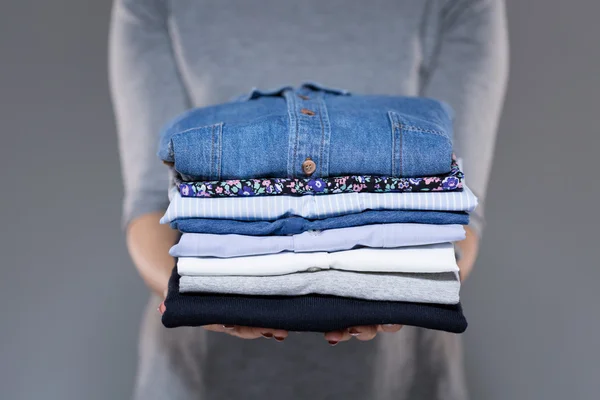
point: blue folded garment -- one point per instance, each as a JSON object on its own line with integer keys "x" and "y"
{"x": 295, "y": 225}
{"x": 330, "y": 240}
{"x": 311, "y": 131}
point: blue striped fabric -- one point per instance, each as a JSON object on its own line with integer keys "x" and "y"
{"x": 270, "y": 208}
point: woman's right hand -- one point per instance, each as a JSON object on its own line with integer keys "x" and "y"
{"x": 242, "y": 332}
{"x": 149, "y": 244}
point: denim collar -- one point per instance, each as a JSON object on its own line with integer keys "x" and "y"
{"x": 306, "y": 86}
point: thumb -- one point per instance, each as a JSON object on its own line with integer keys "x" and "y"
{"x": 161, "y": 308}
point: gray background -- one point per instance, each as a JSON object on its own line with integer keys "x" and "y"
{"x": 71, "y": 300}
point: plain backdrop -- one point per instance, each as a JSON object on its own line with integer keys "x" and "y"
{"x": 71, "y": 299}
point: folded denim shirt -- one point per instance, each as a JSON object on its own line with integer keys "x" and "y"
{"x": 313, "y": 186}
{"x": 310, "y": 131}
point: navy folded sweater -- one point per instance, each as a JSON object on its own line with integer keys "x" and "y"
{"x": 315, "y": 313}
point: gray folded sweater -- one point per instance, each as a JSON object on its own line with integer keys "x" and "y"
{"x": 441, "y": 288}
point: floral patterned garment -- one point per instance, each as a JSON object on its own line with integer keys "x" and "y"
{"x": 312, "y": 186}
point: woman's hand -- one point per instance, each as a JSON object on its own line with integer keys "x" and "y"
{"x": 469, "y": 248}
{"x": 149, "y": 244}
{"x": 247, "y": 332}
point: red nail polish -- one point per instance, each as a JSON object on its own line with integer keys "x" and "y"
{"x": 333, "y": 342}
{"x": 279, "y": 339}
{"x": 267, "y": 335}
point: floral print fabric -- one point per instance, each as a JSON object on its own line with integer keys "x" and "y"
{"x": 313, "y": 186}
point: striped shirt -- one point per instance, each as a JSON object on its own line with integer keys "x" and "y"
{"x": 314, "y": 207}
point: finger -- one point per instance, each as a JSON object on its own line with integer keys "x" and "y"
{"x": 363, "y": 333}
{"x": 335, "y": 337}
{"x": 278, "y": 334}
{"x": 245, "y": 332}
{"x": 161, "y": 308}
{"x": 389, "y": 328}
{"x": 215, "y": 328}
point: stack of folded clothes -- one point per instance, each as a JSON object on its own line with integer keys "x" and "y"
{"x": 310, "y": 209}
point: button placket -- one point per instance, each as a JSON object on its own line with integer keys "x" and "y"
{"x": 308, "y": 151}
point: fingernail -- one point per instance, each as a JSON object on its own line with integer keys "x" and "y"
{"x": 162, "y": 308}
{"x": 279, "y": 339}
{"x": 389, "y": 325}
{"x": 333, "y": 342}
{"x": 267, "y": 335}
{"x": 353, "y": 332}
{"x": 228, "y": 326}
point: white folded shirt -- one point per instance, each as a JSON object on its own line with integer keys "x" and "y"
{"x": 429, "y": 258}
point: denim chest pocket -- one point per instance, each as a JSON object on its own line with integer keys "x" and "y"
{"x": 198, "y": 152}
{"x": 417, "y": 147}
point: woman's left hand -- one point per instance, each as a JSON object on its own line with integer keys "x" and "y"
{"x": 469, "y": 248}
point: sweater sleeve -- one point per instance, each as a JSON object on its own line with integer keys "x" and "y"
{"x": 146, "y": 91}
{"x": 469, "y": 71}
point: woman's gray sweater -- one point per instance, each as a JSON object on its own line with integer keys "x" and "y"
{"x": 168, "y": 56}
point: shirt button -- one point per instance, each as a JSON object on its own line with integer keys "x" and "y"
{"x": 306, "y": 111}
{"x": 309, "y": 166}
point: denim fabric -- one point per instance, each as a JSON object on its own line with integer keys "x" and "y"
{"x": 375, "y": 236}
{"x": 271, "y": 134}
{"x": 295, "y": 225}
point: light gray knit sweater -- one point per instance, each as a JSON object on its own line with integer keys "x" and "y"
{"x": 167, "y": 56}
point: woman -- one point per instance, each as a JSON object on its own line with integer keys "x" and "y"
{"x": 168, "y": 56}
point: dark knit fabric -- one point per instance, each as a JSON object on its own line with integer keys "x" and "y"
{"x": 314, "y": 313}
